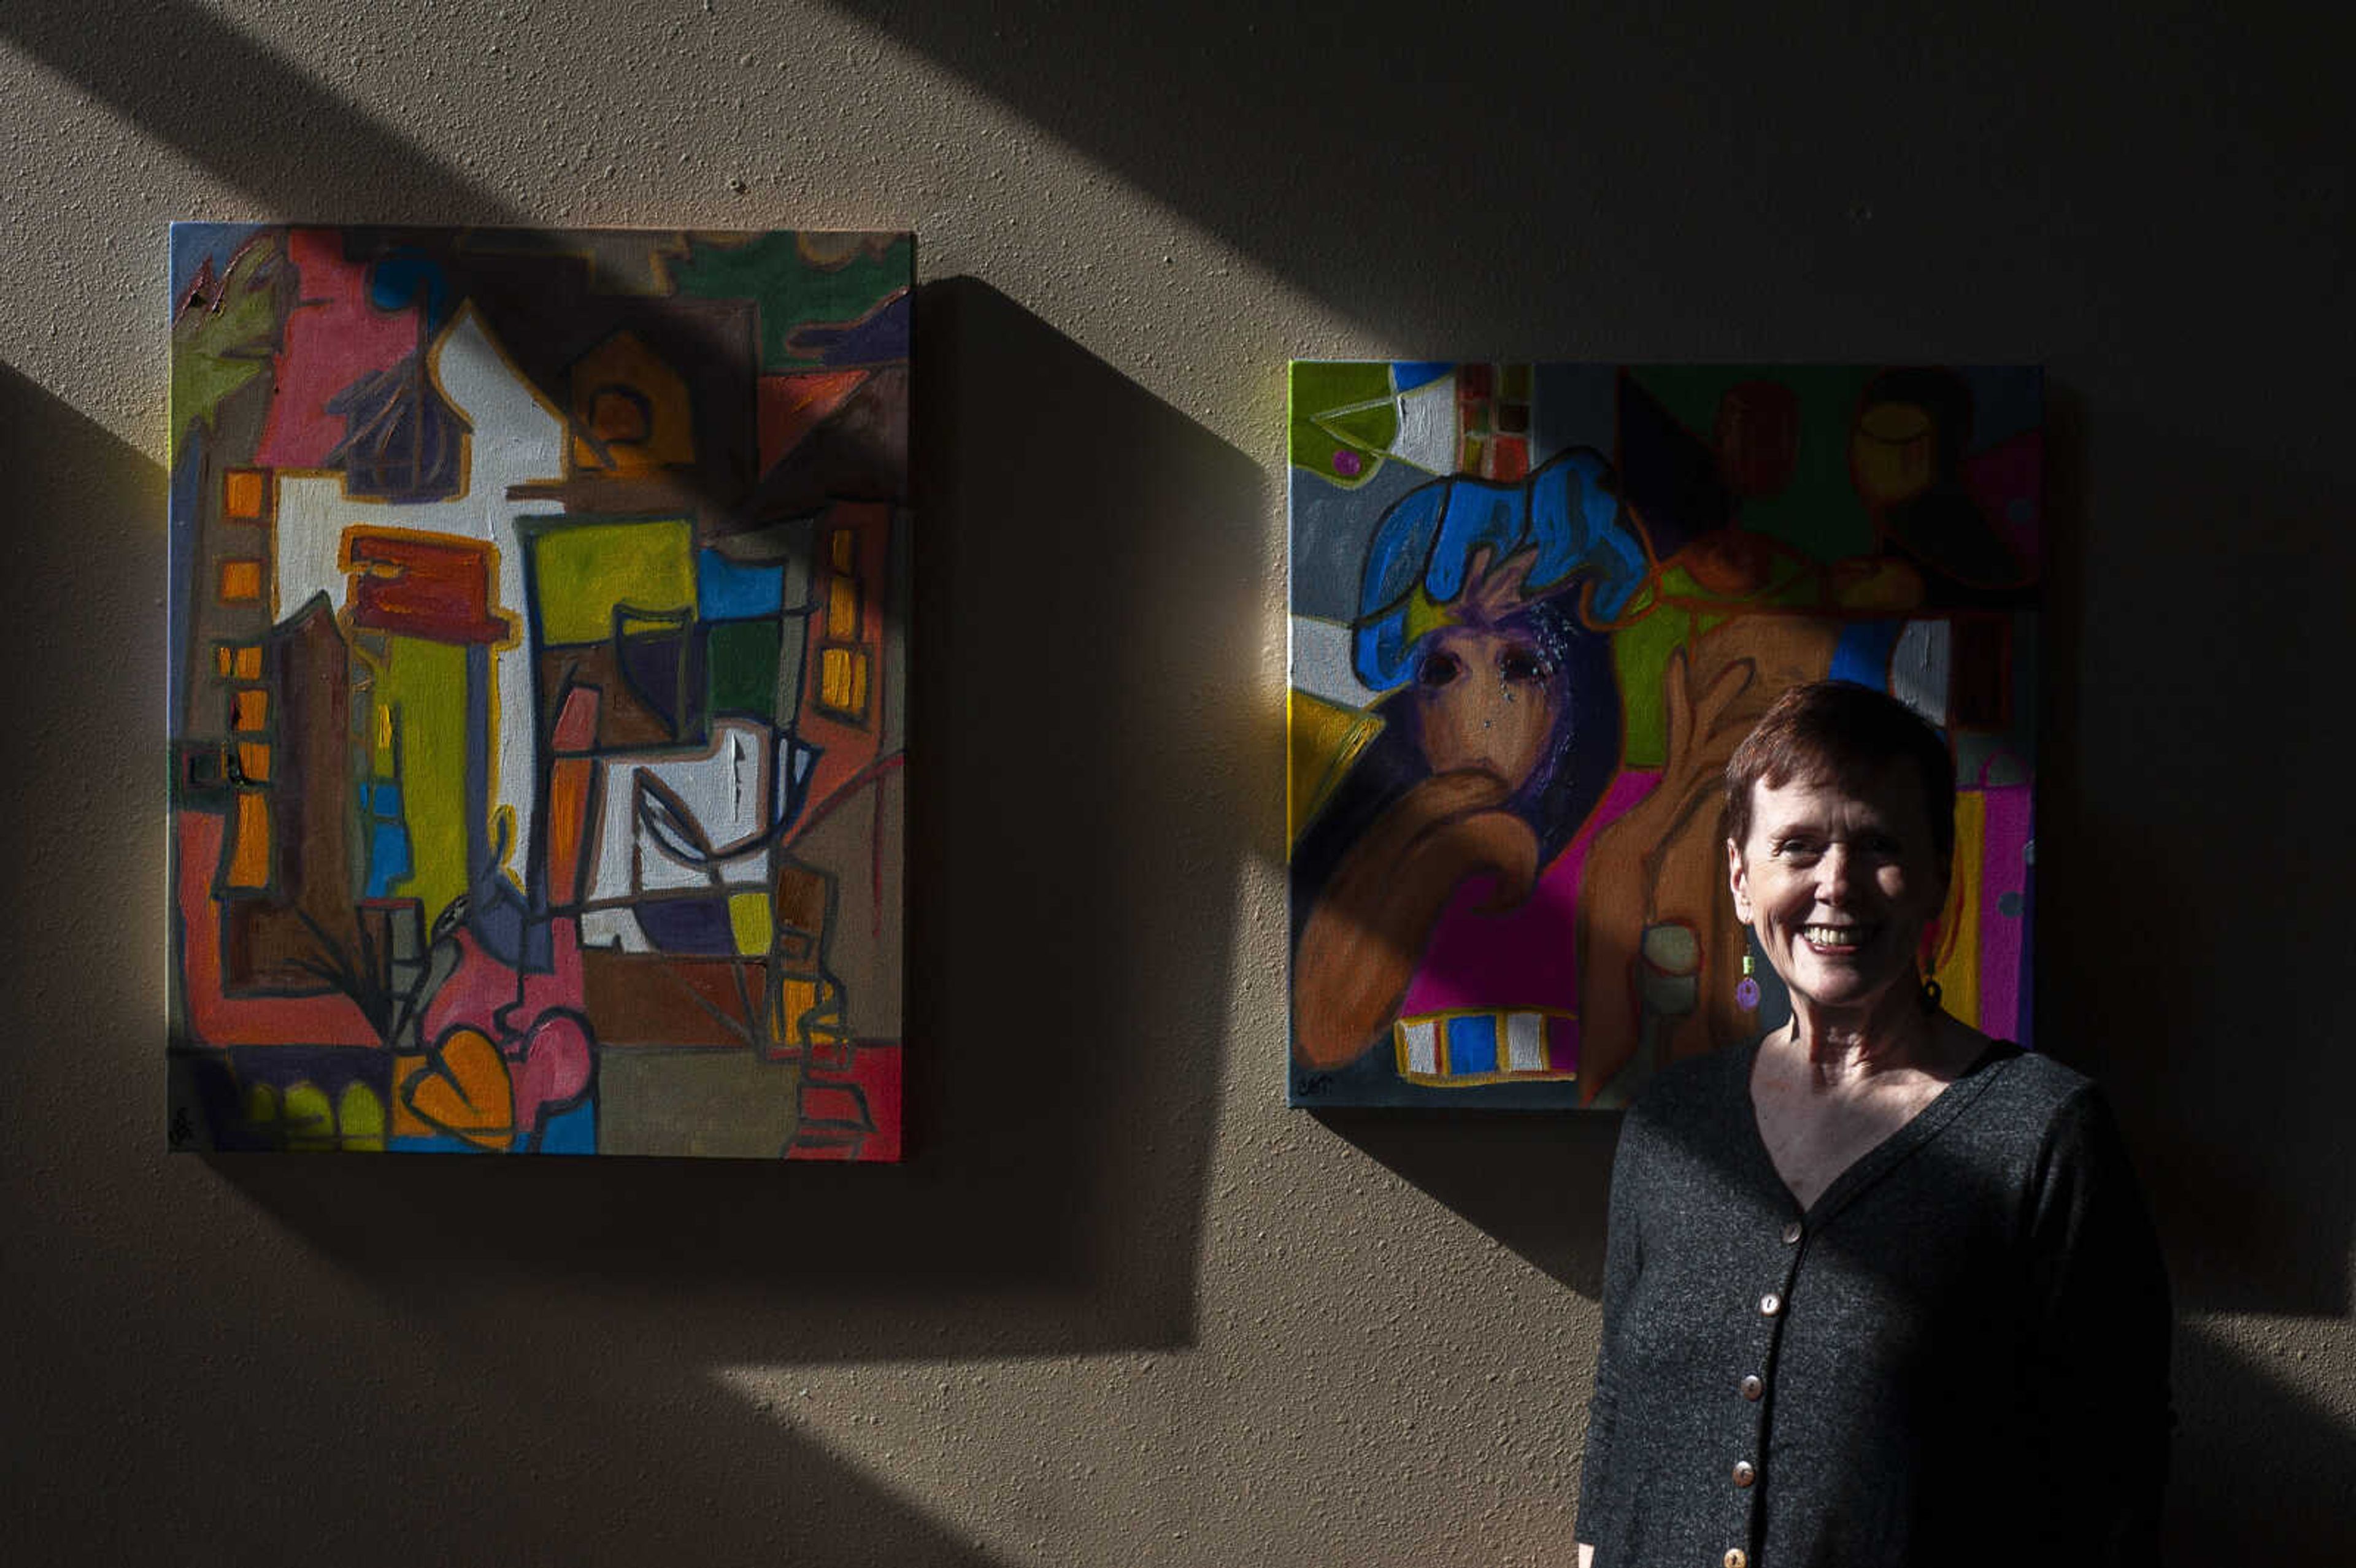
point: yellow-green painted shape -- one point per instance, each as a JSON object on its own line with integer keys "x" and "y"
{"x": 359, "y": 1119}
{"x": 585, "y": 570}
{"x": 310, "y": 1126}
{"x": 426, "y": 685}
{"x": 748, "y": 916}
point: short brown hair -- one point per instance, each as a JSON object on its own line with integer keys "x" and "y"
{"x": 1837, "y": 729}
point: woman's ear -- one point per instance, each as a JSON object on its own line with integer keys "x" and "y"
{"x": 1737, "y": 880}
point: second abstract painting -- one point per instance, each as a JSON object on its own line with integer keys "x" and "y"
{"x": 1535, "y": 606}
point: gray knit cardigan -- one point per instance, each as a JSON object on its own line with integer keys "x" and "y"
{"x": 1958, "y": 1354}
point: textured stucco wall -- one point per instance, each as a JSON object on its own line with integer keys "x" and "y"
{"x": 1123, "y": 1307}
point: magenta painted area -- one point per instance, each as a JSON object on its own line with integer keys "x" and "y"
{"x": 1524, "y": 957}
{"x": 2004, "y": 869}
{"x": 2007, "y": 480}
{"x": 334, "y": 337}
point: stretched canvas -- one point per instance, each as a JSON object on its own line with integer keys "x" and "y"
{"x": 1535, "y": 607}
{"x": 538, "y": 627}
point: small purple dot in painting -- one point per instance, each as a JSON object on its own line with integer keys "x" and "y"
{"x": 1347, "y": 463}
{"x": 2008, "y": 904}
{"x": 1746, "y": 993}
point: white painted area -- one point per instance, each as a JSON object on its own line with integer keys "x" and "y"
{"x": 1322, "y": 665}
{"x": 726, "y": 786}
{"x": 518, "y": 439}
{"x": 1422, "y": 1038}
{"x": 1427, "y": 434}
{"x": 1919, "y": 667}
{"x": 1525, "y": 1042}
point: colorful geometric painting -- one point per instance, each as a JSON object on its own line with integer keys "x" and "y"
{"x": 1535, "y": 607}
{"x": 538, "y": 714}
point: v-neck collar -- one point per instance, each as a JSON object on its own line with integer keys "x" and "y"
{"x": 1875, "y": 1162}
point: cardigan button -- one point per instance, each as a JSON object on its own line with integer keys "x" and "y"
{"x": 1769, "y": 1305}
{"x": 1737, "y": 1558}
{"x": 1753, "y": 1386}
{"x": 1791, "y": 1232}
{"x": 1743, "y": 1474}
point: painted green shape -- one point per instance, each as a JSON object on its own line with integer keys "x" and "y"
{"x": 359, "y": 1119}
{"x": 215, "y": 352}
{"x": 791, "y": 291}
{"x": 1336, "y": 407}
{"x": 1818, "y": 512}
{"x": 426, "y": 685}
{"x": 1639, "y": 656}
{"x": 585, "y": 570}
{"x": 741, "y": 659}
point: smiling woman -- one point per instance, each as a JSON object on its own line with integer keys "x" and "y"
{"x": 1864, "y": 1265}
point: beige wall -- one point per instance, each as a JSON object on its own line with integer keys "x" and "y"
{"x": 1123, "y": 1307}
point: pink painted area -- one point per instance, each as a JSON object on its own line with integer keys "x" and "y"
{"x": 484, "y": 994}
{"x": 535, "y": 1018}
{"x": 215, "y": 1019}
{"x": 334, "y": 337}
{"x": 2007, "y": 480}
{"x": 1524, "y": 957}
{"x": 2003, "y": 868}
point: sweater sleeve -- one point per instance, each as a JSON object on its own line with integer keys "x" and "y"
{"x": 1623, "y": 1256}
{"x": 2098, "y": 1357}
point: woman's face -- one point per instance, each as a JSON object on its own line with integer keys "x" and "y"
{"x": 1487, "y": 700}
{"x": 1838, "y": 880}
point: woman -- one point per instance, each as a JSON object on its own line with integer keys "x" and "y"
{"x": 1877, "y": 1290}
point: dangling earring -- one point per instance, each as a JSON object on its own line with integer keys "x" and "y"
{"x": 1746, "y": 991}
{"x": 1930, "y": 995}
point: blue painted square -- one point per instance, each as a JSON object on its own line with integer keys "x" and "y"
{"x": 1472, "y": 1045}
{"x": 728, "y": 592}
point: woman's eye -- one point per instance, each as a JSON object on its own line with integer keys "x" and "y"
{"x": 1520, "y": 664}
{"x": 1439, "y": 669}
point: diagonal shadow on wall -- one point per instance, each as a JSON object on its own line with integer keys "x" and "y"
{"x": 171, "y": 68}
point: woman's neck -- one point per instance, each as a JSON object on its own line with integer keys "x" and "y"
{"x": 1894, "y": 1032}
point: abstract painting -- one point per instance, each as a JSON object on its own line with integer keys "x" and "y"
{"x": 537, "y": 691}
{"x": 1534, "y": 608}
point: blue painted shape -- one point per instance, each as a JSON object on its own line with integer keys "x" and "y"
{"x": 1576, "y": 520}
{"x": 1479, "y": 517}
{"x": 195, "y": 244}
{"x": 1407, "y": 375}
{"x": 388, "y": 861}
{"x": 1863, "y": 652}
{"x": 571, "y": 1132}
{"x": 1566, "y": 513}
{"x": 1472, "y": 1045}
{"x": 433, "y": 1143}
{"x": 188, "y": 497}
{"x": 880, "y": 336}
{"x": 407, "y": 277}
{"x": 388, "y": 800}
{"x": 729, "y": 592}
{"x": 1402, "y": 548}
{"x": 688, "y": 925}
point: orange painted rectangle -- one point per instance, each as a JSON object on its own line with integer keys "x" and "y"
{"x": 242, "y": 493}
{"x": 240, "y": 581}
{"x": 249, "y": 860}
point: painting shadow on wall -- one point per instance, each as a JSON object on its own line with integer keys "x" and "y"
{"x": 1087, "y": 565}
{"x": 547, "y": 1474}
{"x": 1534, "y": 1181}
